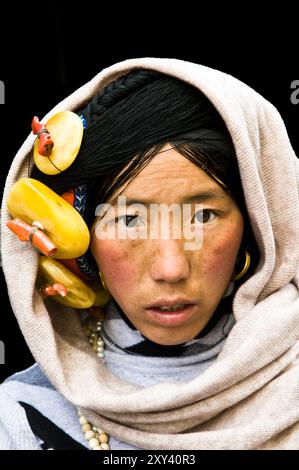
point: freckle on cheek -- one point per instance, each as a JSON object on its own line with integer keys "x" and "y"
{"x": 220, "y": 260}
{"x": 117, "y": 265}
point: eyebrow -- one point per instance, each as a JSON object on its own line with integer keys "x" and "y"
{"x": 198, "y": 197}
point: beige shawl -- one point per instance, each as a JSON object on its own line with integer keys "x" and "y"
{"x": 249, "y": 397}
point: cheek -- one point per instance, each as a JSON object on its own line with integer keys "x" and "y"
{"x": 115, "y": 263}
{"x": 220, "y": 255}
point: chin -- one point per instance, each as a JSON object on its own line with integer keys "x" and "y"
{"x": 167, "y": 342}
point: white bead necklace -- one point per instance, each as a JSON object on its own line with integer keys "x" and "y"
{"x": 96, "y": 437}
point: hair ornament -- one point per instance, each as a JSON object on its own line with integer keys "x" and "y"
{"x": 32, "y": 202}
{"x": 55, "y": 224}
{"x": 45, "y": 143}
{"x": 58, "y": 141}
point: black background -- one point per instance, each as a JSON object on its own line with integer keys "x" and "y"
{"x": 49, "y": 50}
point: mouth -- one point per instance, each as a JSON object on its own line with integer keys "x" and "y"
{"x": 170, "y": 313}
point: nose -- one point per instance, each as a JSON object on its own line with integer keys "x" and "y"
{"x": 169, "y": 261}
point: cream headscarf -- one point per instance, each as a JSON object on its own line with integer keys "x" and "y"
{"x": 249, "y": 397}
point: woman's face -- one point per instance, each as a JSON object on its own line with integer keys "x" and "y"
{"x": 155, "y": 269}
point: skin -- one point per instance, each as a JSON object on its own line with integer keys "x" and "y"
{"x": 138, "y": 272}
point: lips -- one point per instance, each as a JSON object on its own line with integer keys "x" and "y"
{"x": 170, "y": 302}
{"x": 174, "y": 318}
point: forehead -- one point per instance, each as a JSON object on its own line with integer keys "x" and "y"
{"x": 169, "y": 174}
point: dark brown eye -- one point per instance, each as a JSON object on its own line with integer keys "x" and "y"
{"x": 128, "y": 220}
{"x": 204, "y": 216}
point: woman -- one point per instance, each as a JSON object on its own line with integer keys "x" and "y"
{"x": 219, "y": 371}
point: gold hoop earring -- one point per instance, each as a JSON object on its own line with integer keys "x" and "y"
{"x": 245, "y": 268}
{"x": 102, "y": 281}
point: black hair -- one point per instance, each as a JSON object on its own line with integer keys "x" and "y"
{"x": 128, "y": 123}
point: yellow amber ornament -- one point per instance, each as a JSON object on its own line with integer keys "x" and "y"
{"x": 66, "y": 130}
{"x": 102, "y": 296}
{"x": 32, "y": 201}
{"x": 79, "y": 295}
